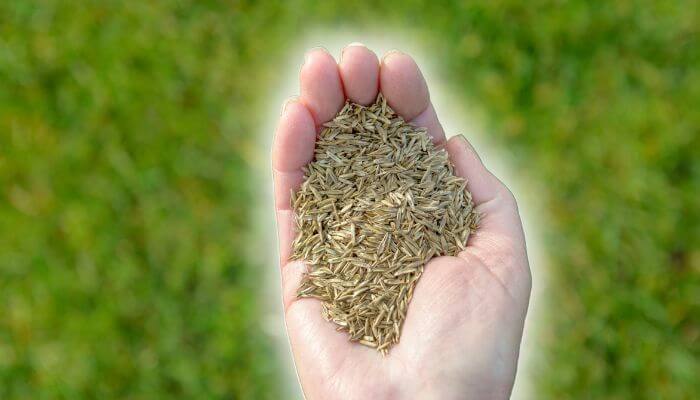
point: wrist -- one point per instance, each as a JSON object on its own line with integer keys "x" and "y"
{"x": 460, "y": 388}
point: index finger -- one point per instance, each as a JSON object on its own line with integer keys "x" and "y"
{"x": 406, "y": 91}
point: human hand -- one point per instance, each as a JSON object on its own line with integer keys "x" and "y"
{"x": 462, "y": 332}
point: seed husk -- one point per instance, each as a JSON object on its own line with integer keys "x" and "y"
{"x": 378, "y": 201}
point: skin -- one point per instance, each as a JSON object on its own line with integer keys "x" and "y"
{"x": 462, "y": 333}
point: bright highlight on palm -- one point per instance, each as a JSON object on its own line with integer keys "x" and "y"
{"x": 463, "y": 329}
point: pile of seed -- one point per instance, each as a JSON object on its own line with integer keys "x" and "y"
{"x": 378, "y": 201}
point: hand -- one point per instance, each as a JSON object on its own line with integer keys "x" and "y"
{"x": 462, "y": 333}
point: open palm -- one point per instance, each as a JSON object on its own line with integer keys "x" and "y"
{"x": 462, "y": 332}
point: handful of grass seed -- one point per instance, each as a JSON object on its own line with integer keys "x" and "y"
{"x": 378, "y": 202}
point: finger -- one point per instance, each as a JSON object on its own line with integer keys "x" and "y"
{"x": 490, "y": 195}
{"x": 483, "y": 185}
{"x": 293, "y": 148}
{"x": 403, "y": 85}
{"x": 321, "y": 88}
{"x": 406, "y": 91}
{"x": 500, "y": 232}
{"x": 359, "y": 72}
{"x": 428, "y": 119}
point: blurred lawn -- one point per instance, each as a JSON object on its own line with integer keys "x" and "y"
{"x": 125, "y": 133}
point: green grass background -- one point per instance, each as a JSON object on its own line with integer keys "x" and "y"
{"x": 126, "y": 137}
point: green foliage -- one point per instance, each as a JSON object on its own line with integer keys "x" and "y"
{"x": 123, "y": 212}
{"x": 125, "y": 132}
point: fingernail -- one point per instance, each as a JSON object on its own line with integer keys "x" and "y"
{"x": 391, "y": 53}
{"x": 353, "y": 44}
{"x": 313, "y": 50}
{"x": 287, "y": 102}
{"x": 467, "y": 146}
{"x": 466, "y": 143}
{"x": 462, "y": 140}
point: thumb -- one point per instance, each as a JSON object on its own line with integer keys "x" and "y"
{"x": 499, "y": 241}
{"x": 494, "y": 202}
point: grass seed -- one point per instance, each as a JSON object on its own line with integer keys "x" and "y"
{"x": 378, "y": 201}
